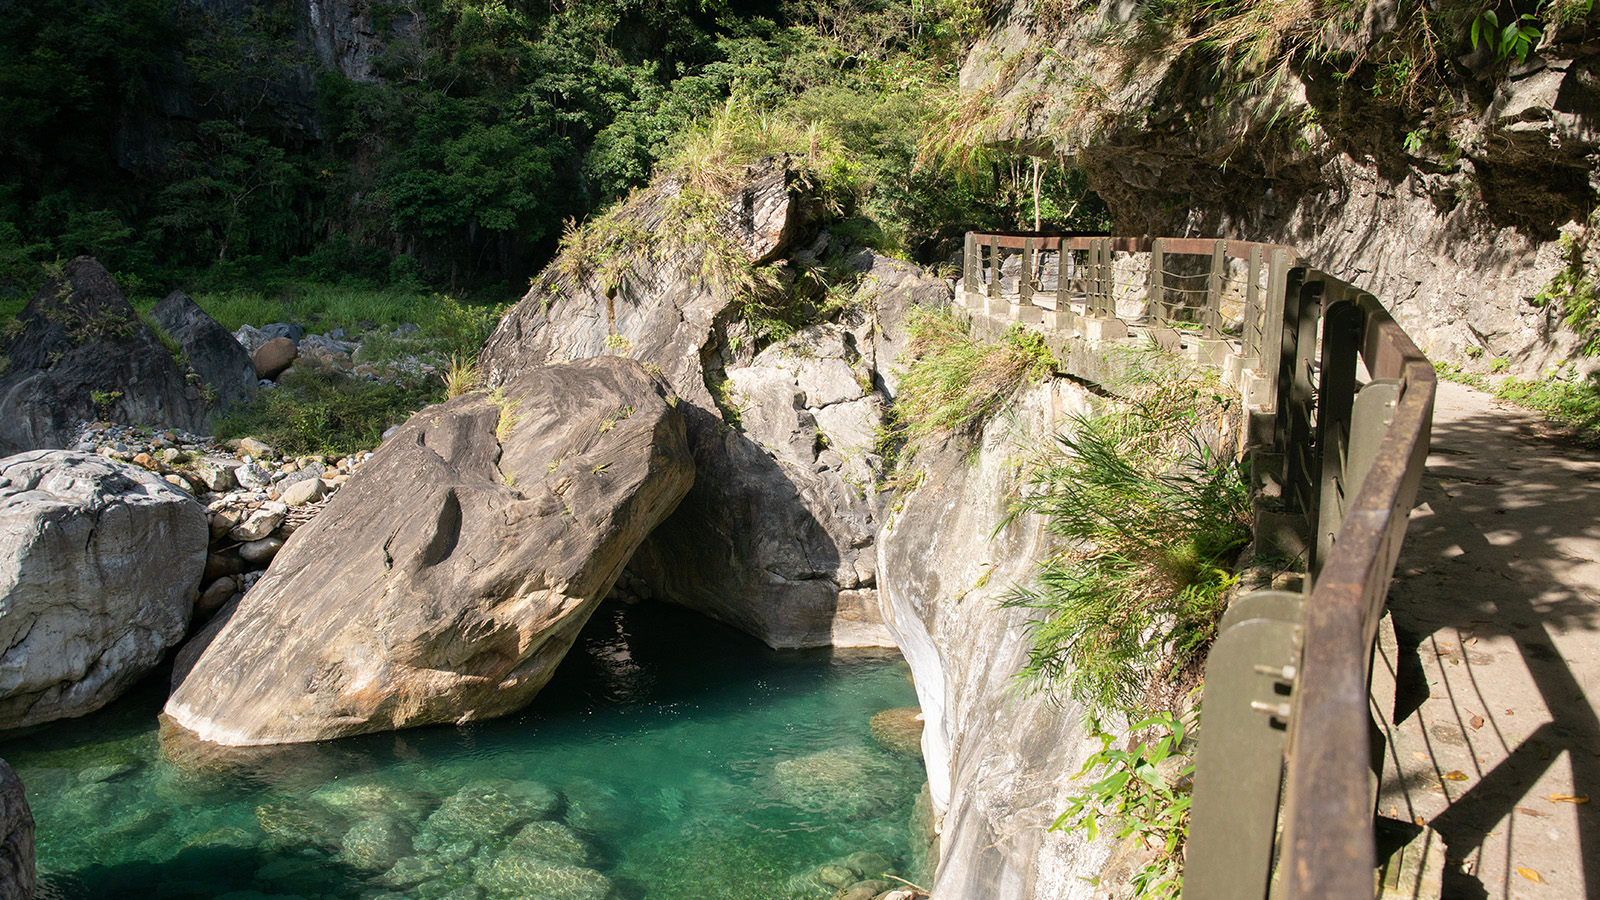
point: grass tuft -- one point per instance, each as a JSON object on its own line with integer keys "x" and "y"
{"x": 955, "y": 380}
{"x": 1150, "y": 523}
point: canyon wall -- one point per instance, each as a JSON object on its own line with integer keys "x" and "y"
{"x": 1448, "y": 205}
{"x": 1000, "y": 760}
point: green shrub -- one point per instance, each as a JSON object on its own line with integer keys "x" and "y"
{"x": 1573, "y": 402}
{"x": 1572, "y": 290}
{"x": 1134, "y": 799}
{"x": 1150, "y": 523}
{"x": 330, "y": 414}
{"x": 955, "y": 380}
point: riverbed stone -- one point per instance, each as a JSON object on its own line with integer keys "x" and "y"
{"x": 447, "y": 579}
{"x": 216, "y": 474}
{"x": 273, "y": 357}
{"x": 308, "y": 490}
{"x": 376, "y": 843}
{"x": 520, "y": 878}
{"x": 549, "y": 841}
{"x": 252, "y": 477}
{"x": 259, "y": 552}
{"x": 209, "y": 350}
{"x": 485, "y": 810}
{"x": 849, "y": 782}
{"x": 899, "y": 730}
{"x": 17, "y": 869}
{"x": 260, "y": 523}
{"x": 99, "y": 564}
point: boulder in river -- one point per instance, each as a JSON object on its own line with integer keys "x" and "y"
{"x": 99, "y": 563}
{"x": 17, "y": 874}
{"x": 449, "y": 576}
{"x": 78, "y": 350}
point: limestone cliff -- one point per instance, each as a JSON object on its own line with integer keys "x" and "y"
{"x": 999, "y": 761}
{"x": 1428, "y": 173}
{"x": 776, "y": 537}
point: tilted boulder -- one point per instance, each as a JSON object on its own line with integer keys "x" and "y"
{"x": 17, "y": 876}
{"x": 99, "y": 562}
{"x": 210, "y": 350}
{"x": 776, "y": 536}
{"x": 449, "y": 576}
{"x": 79, "y": 350}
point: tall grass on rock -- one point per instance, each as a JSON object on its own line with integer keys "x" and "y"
{"x": 1149, "y": 523}
{"x": 955, "y": 380}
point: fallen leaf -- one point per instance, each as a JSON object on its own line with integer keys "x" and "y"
{"x": 1511, "y": 712}
{"x": 1454, "y": 775}
{"x": 1568, "y": 798}
{"x": 1530, "y": 874}
{"x": 1421, "y": 821}
{"x": 1532, "y": 812}
{"x": 1420, "y": 755}
{"x": 1477, "y": 722}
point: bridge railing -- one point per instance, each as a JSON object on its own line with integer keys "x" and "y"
{"x": 1341, "y": 403}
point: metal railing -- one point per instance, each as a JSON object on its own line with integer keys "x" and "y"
{"x": 1284, "y": 790}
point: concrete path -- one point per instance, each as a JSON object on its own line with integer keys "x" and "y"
{"x": 1494, "y": 660}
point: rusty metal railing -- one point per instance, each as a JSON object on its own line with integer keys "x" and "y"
{"x": 1284, "y": 780}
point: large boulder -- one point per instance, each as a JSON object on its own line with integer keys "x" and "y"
{"x": 78, "y": 350}
{"x": 776, "y": 536}
{"x": 99, "y": 562}
{"x": 210, "y": 350}
{"x": 449, "y": 576}
{"x": 16, "y": 838}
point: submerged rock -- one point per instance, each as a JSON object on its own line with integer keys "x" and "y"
{"x": 849, "y": 782}
{"x": 375, "y": 844}
{"x": 17, "y": 875}
{"x": 523, "y": 878}
{"x": 449, "y": 576}
{"x": 99, "y": 563}
{"x": 899, "y": 730}
{"x": 485, "y": 810}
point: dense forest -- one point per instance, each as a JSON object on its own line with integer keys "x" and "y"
{"x": 206, "y": 142}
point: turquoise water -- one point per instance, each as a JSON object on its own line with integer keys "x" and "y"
{"x": 669, "y": 758}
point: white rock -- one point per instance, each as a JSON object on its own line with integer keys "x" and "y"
{"x": 99, "y": 562}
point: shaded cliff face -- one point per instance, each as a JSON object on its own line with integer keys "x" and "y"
{"x": 1448, "y": 205}
{"x": 999, "y": 761}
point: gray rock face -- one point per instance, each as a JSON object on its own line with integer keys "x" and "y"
{"x": 214, "y": 355}
{"x": 776, "y": 536}
{"x": 17, "y": 876}
{"x": 996, "y": 759}
{"x": 82, "y": 351}
{"x": 99, "y": 562}
{"x": 1456, "y": 234}
{"x": 449, "y": 576}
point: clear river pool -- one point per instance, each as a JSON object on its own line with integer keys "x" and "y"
{"x": 669, "y": 758}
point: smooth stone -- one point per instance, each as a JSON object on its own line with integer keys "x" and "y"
{"x": 302, "y": 492}
{"x": 215, "y": 595}
{"x": 260, "y": 551}
{"x": 258, "y": 449}
{"x": 273, "y": 357}
{"x": 260, "y": 523}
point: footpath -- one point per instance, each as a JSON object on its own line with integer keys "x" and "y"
{"x": 1493, "y": 769}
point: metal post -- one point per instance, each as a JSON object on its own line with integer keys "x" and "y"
{"x": 1250, "y": 671}
{"x": 1219, "y": 271}
{"x": 994, "y": 266}
{"x": 969, "y": 265}
{"x": 1250, "y": 338}
{"x": 1156, "y": 302}
{"x": 1025, "y": 282}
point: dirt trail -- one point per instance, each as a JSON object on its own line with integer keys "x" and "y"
{"x": 1494, "y": 660}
